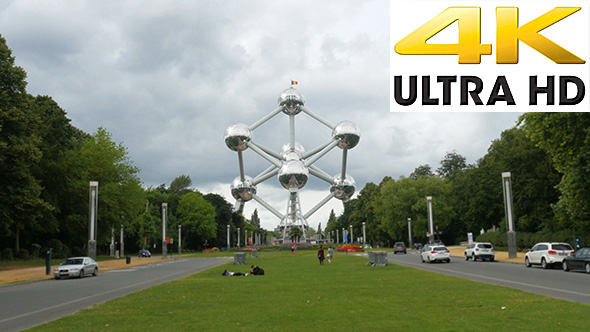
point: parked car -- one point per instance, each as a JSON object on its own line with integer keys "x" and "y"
{"x": 480, "y": 250}
{"x": 435, "y": 253}
{"x": 144, "y": 253}
{"x": 399, "y": 247}
{"x": 547, "y": 254}
{"x": 580, "y": 260}
{"x": 76, "y": 267}
{"x": 417, "y": 245}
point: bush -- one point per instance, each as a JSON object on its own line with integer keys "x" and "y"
{"x": 35, "y": 251}
{"x": 22, "y": 254}
{"x": 7, "y": 254}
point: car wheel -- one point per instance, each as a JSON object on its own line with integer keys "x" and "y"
{"x": 527, "y": 263}
{"x": 428, "y": 260}
{"x": 421, "y": 257}
{"x": 544, "y": 263}
{"x": 57, "y": 278}
{"x": 588, "y": 268}
{"x": 395, "y": 252}
{"x": 564, "y": 266}
{"x": 466, "y": 257}
{"x": 448, "y": 260}
{"x": 95, "y": 273}
{"x": 473, "y": 257}
{"x": 81, "y": 273}
{"x": 491, "y": 259}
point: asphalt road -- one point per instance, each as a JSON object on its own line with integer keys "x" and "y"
{"x": 571, "y": 286}
{"x": 26, "y": 305}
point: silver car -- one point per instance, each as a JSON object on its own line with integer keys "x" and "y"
{"x": 435, "y": 253}
{"x": 76, "y": 267}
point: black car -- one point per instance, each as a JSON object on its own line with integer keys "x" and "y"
{"x": 580, "y": 260}
{"x": 145, "y": 253}
{"x": 399, "y": 247}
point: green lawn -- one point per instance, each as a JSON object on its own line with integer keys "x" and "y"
{"x": 297, "y": 294}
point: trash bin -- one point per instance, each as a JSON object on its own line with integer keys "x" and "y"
{"x": 128, "y": 259}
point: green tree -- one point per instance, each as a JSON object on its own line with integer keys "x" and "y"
{"x": 21, "y": 206}
{"x": 223, "y": 217}
{"x": 423, "y": 170}
{"x": 295, "y": 233}
{"x": 566, "y": 138}
{"x": 197, "y": 217}
{"x": 452, "y": 163}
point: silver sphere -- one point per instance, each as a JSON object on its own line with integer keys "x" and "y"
{"x": 343, "y": 189}
{"x": 293, "y": 173}
{"x": 347, "y": 134}
{"x": 292, "y": 99}
{"x": 243, "y": 189}
{"x": 236, "y": 136}
{"x": 295, "y": 154}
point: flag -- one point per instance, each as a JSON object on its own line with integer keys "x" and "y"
{"x": 294, "y": 82}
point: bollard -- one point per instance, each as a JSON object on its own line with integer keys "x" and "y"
{"x": 48, "y": 262}
{"x": 239, "y": 258}
{"x": 128, "y": 260}
{"x": 254, "y": 253}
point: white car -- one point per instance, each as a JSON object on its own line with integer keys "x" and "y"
{"x": 76, "y": 267}
{"x": 480, "y": 250}
{"x": 547, "y": 254}
{"x": 435, "y": 253}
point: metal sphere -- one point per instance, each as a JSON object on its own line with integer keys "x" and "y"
{"x": 291, "y": 99}
{"x": 343, "y": 188}
{"x": 293, "y": 173}
{"x": 236, "y": 136}
{"x": 347, "y": 134}
{"x": 295, "y": 154}
{"x": 243, "y": 189}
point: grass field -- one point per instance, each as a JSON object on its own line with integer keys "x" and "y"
{"x": 297, "y": 294}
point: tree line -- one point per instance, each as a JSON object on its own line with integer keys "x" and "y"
{"x": 548, "y": 156}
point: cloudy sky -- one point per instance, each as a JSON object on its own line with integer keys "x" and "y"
{"x": 167, "y": 78}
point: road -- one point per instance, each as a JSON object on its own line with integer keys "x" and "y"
{"x": 571, "y": 286}
{"x": 26, "y": 305}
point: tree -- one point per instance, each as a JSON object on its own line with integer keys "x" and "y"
{"x": 197, "y": 217}
{"x": 180, "y": 185}
{"x": 20, "y": 203}
{"x": 452, "y": 163}
{"x": 295, "y": 233}
{"x": 423, "y": 170}
{"x": 223, "y": 217}
{"x": 566, "y": 138}
{"x": 255, "y": 220}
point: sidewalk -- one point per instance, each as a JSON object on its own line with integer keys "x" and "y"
{"x": 459, "y": 251}
{"x": 38, "y": 273}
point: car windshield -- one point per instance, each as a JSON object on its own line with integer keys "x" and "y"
{"x": 561, "y": 247}
{"x": 439, "y": 249}
{"x": 75, "y": 261}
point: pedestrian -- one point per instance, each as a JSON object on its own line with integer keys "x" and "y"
{"x": 256, "y": 270}
{"x": 321, "y": 255}
{"x": 330, "y": 254}
{"x": 292, "y": 250}
{"x": 230, "y": 273}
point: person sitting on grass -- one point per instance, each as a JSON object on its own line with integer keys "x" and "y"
{"x": 229, "y": 273}
{"x": 256, "y": 270}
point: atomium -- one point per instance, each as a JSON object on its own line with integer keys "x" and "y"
{"x": 292, "y": 166}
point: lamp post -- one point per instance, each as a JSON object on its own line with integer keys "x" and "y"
{"x": 179, "y": 240}
{"x": 93, "y": 208}
{"x": 410, "y": 232}
{"x": 122, "y": 244}
{"x": 228, "y": 238}
{"x": 238, "y": 237}
{"x": 351, "y": 235}
{"x": 164, "y": 219}
{"x": 509, "y": 213}
{"x": 337, "y": 237}
{"x": 364, "y": 235}
{"x": 430, "y": 221}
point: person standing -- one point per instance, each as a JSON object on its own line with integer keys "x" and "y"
{"x": 330, "y": 254}
{"x": 321, "y": 255}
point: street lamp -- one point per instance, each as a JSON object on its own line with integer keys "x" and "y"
{"x": 410, "y": 232}
{"x": 364, "y": 235}
{"x": 351, "y": 235}
{"x": 238, "y": 237}
{"x": 509, "y": 213}
{"x": 430, "y": 221}
{"x": 164, "y": 219}
{"x": 179, "y": 240}
{"x": 93, "y": 208}
{"x": 228, "y": 238}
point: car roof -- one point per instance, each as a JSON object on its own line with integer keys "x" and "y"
{"x": 80, "y": 257}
